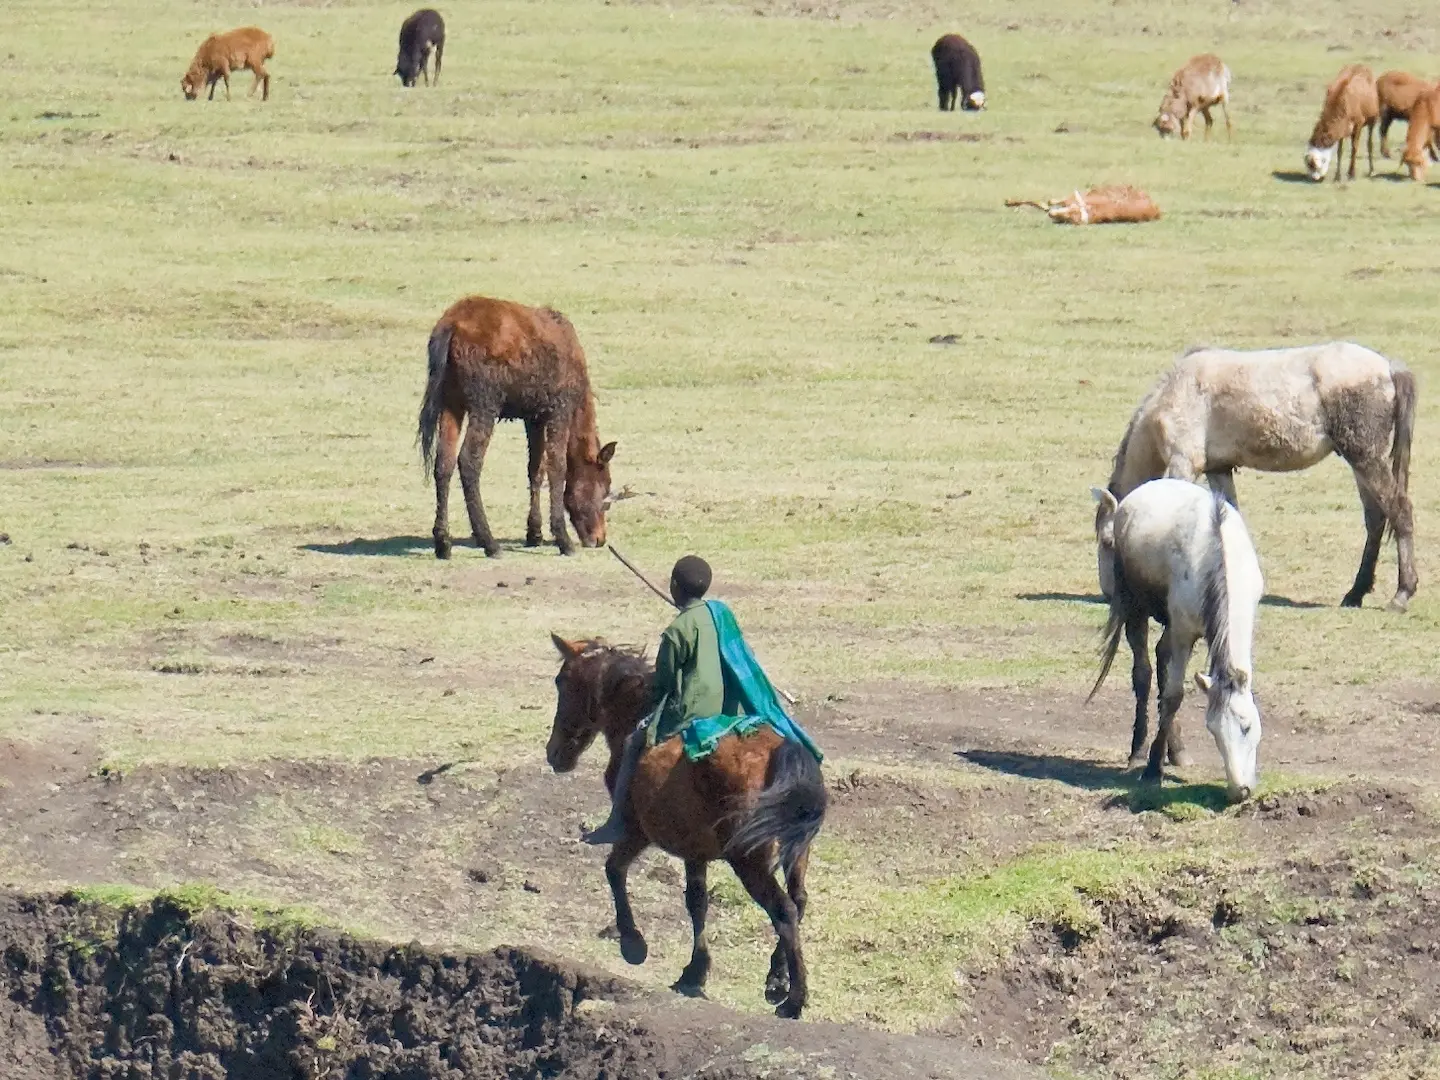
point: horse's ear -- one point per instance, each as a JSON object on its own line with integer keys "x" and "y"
{"x": 1202, "y": 681}
{"x": 1104, "y": 497}
{"x": 606, "y": 453}
{"x": 564, "y": 648}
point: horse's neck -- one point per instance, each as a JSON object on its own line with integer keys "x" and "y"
{"x": 1242, "y": 590}
{"x": 584, "y": 436}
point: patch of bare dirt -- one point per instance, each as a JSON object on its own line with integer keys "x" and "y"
{"x": 161, "y": 991}
{"x": 1323, "y": 969}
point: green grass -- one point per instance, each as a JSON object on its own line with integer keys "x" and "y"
{"x": 193, "y": 897}
{"x": 214, "y": 349}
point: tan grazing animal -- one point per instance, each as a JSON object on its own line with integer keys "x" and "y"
{"x": 1421, "y": 136}
{"x": 1351, "y": 103}
{"x": 1098, "y": 206}
{"x": 239, "y": 50}
{"x": 1398, "y": 92}
{"x": 1199, "y": 86}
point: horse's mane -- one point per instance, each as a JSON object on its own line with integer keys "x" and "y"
{"x": 1215, "y": 599}
{"x": 1117, "y": 464}
{"x": 621, "y": 662}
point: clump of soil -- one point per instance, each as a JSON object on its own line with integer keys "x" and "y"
{"x": 163, "y": 991}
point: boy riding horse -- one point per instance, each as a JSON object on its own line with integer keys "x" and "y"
{"x": 707, "y": 684}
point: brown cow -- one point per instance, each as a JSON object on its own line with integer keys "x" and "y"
{"x": 495, "y": 360}
{"x": 220, "y": 54}
{"x": 1351, "y": 103}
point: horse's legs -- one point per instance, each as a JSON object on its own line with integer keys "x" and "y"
{"x": 1384, "y": 503}
{"x": 617, "y": 867}
{"x": 697, "y": 902}
{"x": 1229, "y": 131}
{"x": 535, "y": 441}
{"x": 472, "y": 460}
{"x": 1386, "y": 119}
{"x": 439, "y": 52}
{"x": 777, "y": 982}
{"x": 1137, "y": 633}
{"x": 448, "y": 443}
{"x": 1171, "y": 657}
{"x": 425, "y": 66}
{"x": 1370, "y": 146}
{"x": 758, "y": 876}
{"x": 557, "y": 440}
{"x": 1223, "y": 482}
{"x": 1209, "y": 121}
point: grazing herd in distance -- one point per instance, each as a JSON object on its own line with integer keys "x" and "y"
{"x": 491, "y": 360}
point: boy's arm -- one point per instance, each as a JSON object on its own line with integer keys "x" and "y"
{"x": 668, "y": 663}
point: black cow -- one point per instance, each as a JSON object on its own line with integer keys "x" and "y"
{"x": 418, "y": 34}
{"x": 957, "y": 68}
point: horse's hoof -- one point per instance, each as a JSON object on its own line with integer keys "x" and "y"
{"x": 492, "y": 550}
{"x": 1182, "y": 761}
{"x": 1399, "y": 605}
{"x": 789, "y": 1010}
{"x": 634, "y": 949}
{"x": 1150, "y": 777}
{"x": 1138, "y": 761}
{"x": 534, "y": 541}
{"x": 442, "y": 547}
{"x": 567, "y": 548}
{"x": 690, "y": 990}
{"x": 1352, "y": 600}
{"x": 776, "y": 991}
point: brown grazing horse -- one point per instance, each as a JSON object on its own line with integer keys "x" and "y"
{"x": 494, "y": 360}
{"x": 220, "y": 54}
{"x": 757, "y": 796}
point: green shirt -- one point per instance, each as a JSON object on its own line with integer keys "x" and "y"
{"x": 687, "y": 670}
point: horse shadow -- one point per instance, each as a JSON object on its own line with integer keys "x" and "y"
{"x": 403, "y": 546}
{"x": 1288, "y": 176}
{"x": 1088, "y": 774}
{"x": 1270, "y": 600}
{"x": 387, "y": 545}
{"x": 1062, "y": 597}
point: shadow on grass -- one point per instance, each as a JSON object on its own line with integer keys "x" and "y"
{"x": 1179, "y": 801}
{"x": 387, "y": 545}
{"x": 1290, "y": 177}
{"x": 1063, "y": 597}
{"x": 1285, "y": 602}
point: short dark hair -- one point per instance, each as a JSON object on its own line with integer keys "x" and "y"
{"x": 692, "y": 575}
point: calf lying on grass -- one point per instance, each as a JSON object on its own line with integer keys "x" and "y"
{"x": 1351, "y": 103}
{"x": 1098, "y": 206}
{"x": 420, "y": 33}
{"x": 1398, "y": 92}
{"x": 220, "y": 54}
{"x": 1201, "y": 84}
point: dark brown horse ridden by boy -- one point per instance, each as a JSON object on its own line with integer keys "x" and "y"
{"x": 704, "y": 763}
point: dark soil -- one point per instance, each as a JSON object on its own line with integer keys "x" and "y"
{"x": 162, "y": 991}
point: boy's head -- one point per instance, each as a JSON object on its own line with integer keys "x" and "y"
{"x": 690, "y": 579}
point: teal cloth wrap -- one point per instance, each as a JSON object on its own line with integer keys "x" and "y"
{"x": 748, "y": 689}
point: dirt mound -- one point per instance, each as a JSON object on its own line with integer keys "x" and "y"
{"x": 162, "y": 990}
{"x": 1305, "y": 971}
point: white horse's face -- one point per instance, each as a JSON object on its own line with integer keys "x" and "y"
{"x": 1317, "y": 160}
{"x": 1234, "y": 720}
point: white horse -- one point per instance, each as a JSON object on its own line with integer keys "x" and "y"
{"x": 1277, "y": 410}
{"x": 1181, "y": 555}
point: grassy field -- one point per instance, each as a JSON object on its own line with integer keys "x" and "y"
{"x": 213, "y": 353}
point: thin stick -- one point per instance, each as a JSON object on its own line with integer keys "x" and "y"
{"x": 651, "y": 585}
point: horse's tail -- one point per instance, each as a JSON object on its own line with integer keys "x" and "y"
{"x": 1406, "y": 397}
{"x": 1114, "y": 627}
{"x": 790, "y": 809}
{"x": 430, "y": 405}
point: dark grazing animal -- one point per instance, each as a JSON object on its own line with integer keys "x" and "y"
{"x": 757, "y": 800}
{"x": 494, "y": 360}
{"x": 220, "y": 54}
{"x": 420, "y": 33}
{"x": 957, "y": 73}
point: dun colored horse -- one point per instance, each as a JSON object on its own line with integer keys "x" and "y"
{"x": 494, "y": 360}
{"x": 1279, "y": 410}
{"x": 757, "y": 796}
{"x": 1183, "y": 557}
